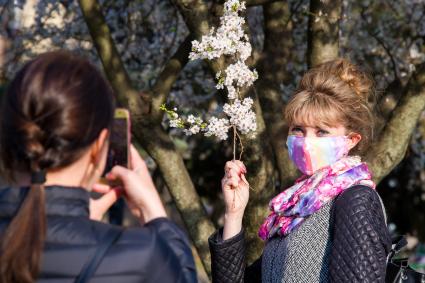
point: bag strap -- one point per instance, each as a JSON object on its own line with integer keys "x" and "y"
{"x": 398, "y": 243}
{"x": 91, "y": 266}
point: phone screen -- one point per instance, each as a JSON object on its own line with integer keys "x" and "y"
{"x": 119, "y": 141}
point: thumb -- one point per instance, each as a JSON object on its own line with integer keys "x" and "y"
{"x": 99, "y": 206}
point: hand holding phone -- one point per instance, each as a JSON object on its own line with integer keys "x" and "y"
{"x": 119, "y": 144}
{"x": 118, "y": 154}
{"x": 139, "y": 189}
{"x": 125, "y": 169}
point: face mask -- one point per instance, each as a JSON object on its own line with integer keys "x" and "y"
{"x": 312, "y": 153}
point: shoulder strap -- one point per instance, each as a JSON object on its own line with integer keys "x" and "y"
{"x": 91, "y": 266}
{"x": 398, "y": 243}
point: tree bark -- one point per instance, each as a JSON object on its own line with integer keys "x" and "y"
{"x": 323, "y": 31}
{"x": 277, "y": 53}
{"x": 168, "y": 76}
{"x": 196, "y": 16}
{"x": 150, "y": 133}
{"x": 391, "y": 145}
{"x": 259, "y": 2}
{"x": 259, "y": 160}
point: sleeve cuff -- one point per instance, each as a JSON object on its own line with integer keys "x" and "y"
{"x": 216, "y": 239}
{"x": 157, "y": 221}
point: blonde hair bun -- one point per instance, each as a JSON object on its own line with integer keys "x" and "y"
{"x": 356, "y": 79}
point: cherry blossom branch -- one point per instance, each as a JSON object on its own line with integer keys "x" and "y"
{"x": 229, "y": 40}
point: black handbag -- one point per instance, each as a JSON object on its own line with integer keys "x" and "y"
{"x": 398, "y": 270}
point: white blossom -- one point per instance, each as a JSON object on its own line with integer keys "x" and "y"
{"x": 191, "y": 119}
{"x": 194, "y": 129}
{"x": 239, "y": 74}
{"x": 175, "y": 123}
{"x": 241, "y": 115}
{"x": 231, "y": 40}
{"x": 218, "y": 127}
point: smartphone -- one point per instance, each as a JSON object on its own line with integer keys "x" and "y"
{"x": 119, "y": 142}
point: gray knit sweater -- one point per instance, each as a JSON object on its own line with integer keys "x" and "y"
{"x": 302, "y": 256}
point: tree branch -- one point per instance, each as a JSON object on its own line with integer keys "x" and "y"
{"x": 250, "y": 3}
{"x": 383, "y": 45}
{"x": 195, "y": 15}
{"x": 168, "y": 76}
{"x": 150, "y": 134}
{"x": 111, "y": 60}
{"x": 323, "y": 29}
{"x": 394, "y": 140}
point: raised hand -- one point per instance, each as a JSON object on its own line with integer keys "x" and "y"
{"x": 138, "y": 188}
{"x": 235, "y": 189}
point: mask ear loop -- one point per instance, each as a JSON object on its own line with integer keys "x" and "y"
{"x": 348, "y": 137}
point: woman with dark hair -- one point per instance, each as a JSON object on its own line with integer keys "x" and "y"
{"x": 55, "y": 121}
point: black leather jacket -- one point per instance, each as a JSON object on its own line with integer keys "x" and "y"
{"x": 360, "y": 244}
{"x": 157, "y": 252}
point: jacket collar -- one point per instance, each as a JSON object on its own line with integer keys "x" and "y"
{"x": 60, "y": 201}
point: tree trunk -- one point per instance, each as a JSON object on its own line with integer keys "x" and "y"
{"x": 277, "y": 53}
{"x": 323, "y": 31}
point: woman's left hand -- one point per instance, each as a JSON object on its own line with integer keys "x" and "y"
{"x": 98, "y": 207}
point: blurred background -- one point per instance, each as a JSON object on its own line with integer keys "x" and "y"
{"x": 151, "y": 41}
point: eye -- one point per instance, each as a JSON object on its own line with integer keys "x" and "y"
{"x": 296, "y": 130}
{"x": 322, "y": 133}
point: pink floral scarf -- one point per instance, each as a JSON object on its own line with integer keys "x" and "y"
{"x": 309, "y": 193}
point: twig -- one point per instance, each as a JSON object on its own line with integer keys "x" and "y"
{"x": 241, "y": 144}
{"x": 234, "y": 142}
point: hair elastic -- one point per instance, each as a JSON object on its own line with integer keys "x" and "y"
{"x": 38, "y": 177}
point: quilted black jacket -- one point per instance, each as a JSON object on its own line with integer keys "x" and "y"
{"x": 157, "y": 252}
{"x": 360, "y": 244}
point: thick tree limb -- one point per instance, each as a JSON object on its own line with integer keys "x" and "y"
{"x": 277, "y": 53}
{"x": 323, "y": 28}
{"x": 195, "y": 15}
{"x": 260, "y": 2}
{"x": 259, "y": 160}
{"x": 150, "y": 134}
{"x": 168, "y": 76}
{"x": 394, "y": 140}
{"x": 112, "y": 64}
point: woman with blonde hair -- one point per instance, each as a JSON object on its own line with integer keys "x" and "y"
{"x": 330, "y": 226}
